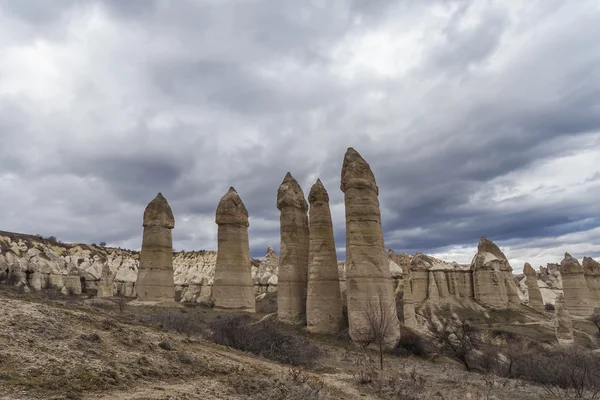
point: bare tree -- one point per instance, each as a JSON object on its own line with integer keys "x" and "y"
{"x": 381, "y": 322}
{"x": 457, "y": 338}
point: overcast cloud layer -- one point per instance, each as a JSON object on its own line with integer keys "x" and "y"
{"x": 478, "y": 118}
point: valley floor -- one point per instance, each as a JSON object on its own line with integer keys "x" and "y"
{"x": 91, "y": 349}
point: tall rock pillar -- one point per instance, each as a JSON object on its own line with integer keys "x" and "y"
{"x": 155, "y": 275}
{"x": 563, "y": 325}
{"x": 577, "y": 294}
{"x": 489, "y": 283}
{"x": 293, "y": 257}
{"x": 232, "y": 287}
{"x": 323, "y": 301}
{"x": 368, "y": 281}
{"x": 591, "y": 271}
{"x": 535, "y": 296}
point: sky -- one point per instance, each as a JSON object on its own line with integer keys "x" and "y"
{"x": 478, "y": 118}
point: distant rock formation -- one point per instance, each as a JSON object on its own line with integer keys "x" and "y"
{"x": 408, "y": 304}
{"x": 489, "y": 283}
{"x": 323, "y": 301}
{"x": 535, "y": 296}
{"x": 293, "y": 257}
{"x": 562, "y": 322}
{"x": 264, "y": 272}
{"x": 155, "y": 275}
{"x": 591, "y": 271}
{"x": 435, "y": 279}
{"x": 368, "y": 281}
{"x": 232, "y": 287}
{"x": 576, "y": 293}
{"x": 106, "y": 285}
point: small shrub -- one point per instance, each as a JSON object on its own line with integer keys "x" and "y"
{"x": 410, "y": 343}
{"x": 12, "y": 278}
{"x": 103, "y": 244}
{"x": 92, "y": 337}
{"x": 165, "y": 346}
{"x": 174, "y": 320}
{"x": 549, "y": 307}
{"x": 263, "y": 338}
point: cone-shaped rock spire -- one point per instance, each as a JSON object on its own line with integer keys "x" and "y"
{"x": 576, "y": 292}
{"x": 323, "y": 302}
{"x": 368, "y": 281}
{"x": 535, "y": 296}
{"x": 155, "y": 275}
{"x": 293, "y": 258}
{"x": 232, "y": 287}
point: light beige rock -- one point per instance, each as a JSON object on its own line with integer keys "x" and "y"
{"x": 72, "y": 284}
{"x": 368, "y": 278}
{"x": 155, "y": 275}
{"x": 489, "y": 283}
{"x": 535, "y": 296}
{"x": 576, "y": 293}
{"x": 420, "y": 285}
{"x": 408, "y": 304}
{"x": 265, "y": 274}
{"x": 105, "y": 285}
{"x": 433, "y": 293}
{"x": 591, "y": 271}
{"x": 38, "y": 281}
{"x": 323, "y": 301}
{"x": 562, "y": 322}
{"x": 232, "y": 288}
{"x": 293, "y": 257}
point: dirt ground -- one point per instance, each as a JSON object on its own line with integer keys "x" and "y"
{"x": 89, "y": 349}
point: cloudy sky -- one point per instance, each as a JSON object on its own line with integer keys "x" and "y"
{"x": 478, "y": 118}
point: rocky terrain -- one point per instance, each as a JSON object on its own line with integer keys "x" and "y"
{"x": 73, "y": 348}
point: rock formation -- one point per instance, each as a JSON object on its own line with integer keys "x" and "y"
{"x": 535, "y": 296}
{"x": 293, "y": 257}
{"x": 408, "y": 304}
{"x": 155, "y": 275}
{"x": 368, "y": 282}
{"x": 232, "y": 288}
{"x": 265, "y": 273}
{"x": 432, "y": 289}
{"x": 562, "y": 322}
{"x": 105, "y": 286}
{"x": 575, "y": 289}
{"x": 489, "y": 283}
{"x": 323, "y": 301}
{"x": 591, "y": 271}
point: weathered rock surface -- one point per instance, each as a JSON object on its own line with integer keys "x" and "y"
{"x": 591, "y": 271}
{"x": 535, "y": 296}
{"x": 432, "y": 289}
{"x": 576, "y": 293}
{"x": 155, "y": 275}
{"x": 232, "y": 287}
{"x": 323, "y": 302}
{"x": 489, "y": 283}
{"x": 435, "y": 279}
{"x": 368, "y": 281}
{"x": 408, "y": 304}
{"x": 562, "y": 322}
{"x": 293, "y": 257}
{"x": 106, "y": 285}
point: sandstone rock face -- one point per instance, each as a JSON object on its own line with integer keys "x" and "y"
{"x": 408, "y": 304}
{"x": 323, "y": 302}
{"x": 232, "y": 288}
{"x": 591, "y": 271}
{"x": 155, "y": 277}
{"x": 432, "y": 290}
{"x": 575, "y": 289}
{"x": 293, "y": 258}
{"x": 72, "y": 284}
{"x": 535, "y": 296}
{"x": 562, "y": 322}
{"x": 368, "y": 280}
{"x": 489, "y": 283}
{"x": 105, "y": 286}
{"x": 265, "y": 273}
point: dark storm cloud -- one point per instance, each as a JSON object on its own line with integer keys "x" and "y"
{"x": 189, "y": 98}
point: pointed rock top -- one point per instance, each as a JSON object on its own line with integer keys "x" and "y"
{"x": 590, "y": 266}
{"x": 158, "y": 213}
{"x": 356, "y": 172}
{"x": 528, "y": 270}
{"x": 290, "y": 194}
{"x": 231, "y": 210}
{"x": 318, "y": 193}
{"x": 489, "y": 256}
{"x": 570, "y": 265}
{"x": 270, "y": 252}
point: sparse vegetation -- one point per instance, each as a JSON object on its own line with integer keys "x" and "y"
{"x": 595, "y": 318}
{"x": 264, "y": 338}
{"x": 410, "y": 343}
{"x": 381, "y": 323}
{"x": 549, "y": 307}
